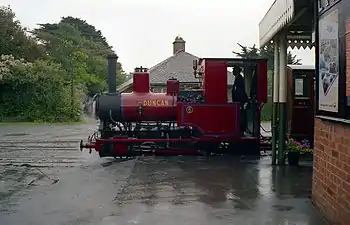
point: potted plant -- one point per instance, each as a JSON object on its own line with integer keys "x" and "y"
{"x": 307, "y": 151}
{"x": 293, "y": 152}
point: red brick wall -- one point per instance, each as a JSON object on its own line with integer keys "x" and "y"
{"x": 348, "y": 57}
{"x": 331, "y": 176}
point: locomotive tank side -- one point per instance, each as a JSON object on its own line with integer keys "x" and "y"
{"x": 143, "y": 105}
{"x": 138, "y": 107}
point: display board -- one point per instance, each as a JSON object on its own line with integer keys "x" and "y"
{"x": 329, "y": 62}
{"x": 347, "y": 38}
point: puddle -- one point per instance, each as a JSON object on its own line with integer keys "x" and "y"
{"x": 16, "y": 134}
{"x": 283, "y": 207}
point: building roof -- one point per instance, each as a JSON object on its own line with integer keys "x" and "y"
{"x": 301, "y": 67}
{"x": 179, "y": 66}
{"x": 292, "y": 16}
{"x": 124, "y": 85}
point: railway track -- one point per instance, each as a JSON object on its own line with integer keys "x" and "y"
{"x": 41, "y": 153}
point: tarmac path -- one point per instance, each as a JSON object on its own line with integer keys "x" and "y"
{"x": 45, "y": 179}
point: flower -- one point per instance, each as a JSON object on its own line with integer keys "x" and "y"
{"x": 305, "y": 144}
{"x": 296, "y": 146}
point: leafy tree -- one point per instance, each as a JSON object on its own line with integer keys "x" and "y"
{"x": 87, "y": 30}
{"x": 63, "y": 40}
{"x": 14, "y": 39}
{"x": 36, "y": 68}
{"x": 268, "y": 53}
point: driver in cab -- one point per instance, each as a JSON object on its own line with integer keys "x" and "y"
{"x": 239, "y": 95}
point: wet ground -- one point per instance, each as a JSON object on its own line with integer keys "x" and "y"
{"x": 45, "y": 179}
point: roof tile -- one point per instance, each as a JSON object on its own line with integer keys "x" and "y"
{"x": 179, "y": 66}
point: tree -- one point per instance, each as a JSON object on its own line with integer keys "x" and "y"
{"x": 14, "y": 39}
{"x": 268, "y": 53}
{"x": 87, "y": 30}
{"x": 72, "y": 36}
{"x": 36, "y": 68}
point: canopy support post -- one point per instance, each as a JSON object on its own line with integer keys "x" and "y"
{"x": 275, "y": 94}
{"x": 282, "y": 97}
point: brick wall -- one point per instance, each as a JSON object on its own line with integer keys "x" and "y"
{"x": 348, "y": 57}
{"x": 331, "y": 176}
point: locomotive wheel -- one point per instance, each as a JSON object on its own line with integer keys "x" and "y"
{"x": 106, "y": 150}
{"x": 102, "y": 154}
{"x": 208, "y": 148}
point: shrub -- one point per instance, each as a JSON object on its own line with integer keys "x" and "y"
{"x": 35, "y": 91}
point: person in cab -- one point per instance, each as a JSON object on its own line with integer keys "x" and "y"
{"x": 239, "y": 95}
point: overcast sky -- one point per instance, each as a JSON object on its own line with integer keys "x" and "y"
{"x": 142, "y": 31}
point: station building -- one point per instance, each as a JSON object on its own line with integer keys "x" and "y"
{"x": 323, "y": 25}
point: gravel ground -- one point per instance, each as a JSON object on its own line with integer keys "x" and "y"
{"x": 45, "y": 179}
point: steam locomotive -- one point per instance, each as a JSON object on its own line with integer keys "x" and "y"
{"x": 180, "y": 122}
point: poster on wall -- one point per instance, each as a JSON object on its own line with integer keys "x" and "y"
{"x": 328, "y": 62}
{"x": 347, "y": 37}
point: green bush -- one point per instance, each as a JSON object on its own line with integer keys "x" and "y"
{"x": 38, "y": 88}
{"x": 266, "y": 111}
{"x": 35, "y": 92}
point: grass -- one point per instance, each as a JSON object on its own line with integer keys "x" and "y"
{"x": 42, "y": 123}
{"x": 84, "y": 119}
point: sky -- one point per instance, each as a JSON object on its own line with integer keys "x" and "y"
{"x": 142, "y": 31}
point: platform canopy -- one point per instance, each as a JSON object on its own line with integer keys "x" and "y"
{"x": 295, "y": 16}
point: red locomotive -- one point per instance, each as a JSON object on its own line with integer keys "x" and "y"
{"x": 181, "y": 122}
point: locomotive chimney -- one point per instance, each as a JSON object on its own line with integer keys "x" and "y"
{"x": 179, "y": 45}
{"x": 112, "y": 73}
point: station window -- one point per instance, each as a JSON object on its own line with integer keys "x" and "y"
{"x": 301, "y": 86}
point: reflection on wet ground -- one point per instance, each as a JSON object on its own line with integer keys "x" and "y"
{"x": 45, "y": 179}
{"x": 217, "y": 191}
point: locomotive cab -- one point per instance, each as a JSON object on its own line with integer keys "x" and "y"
{"x": 214, "y": 74}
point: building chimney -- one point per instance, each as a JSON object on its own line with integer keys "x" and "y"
{"x": 179, "y": 45}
